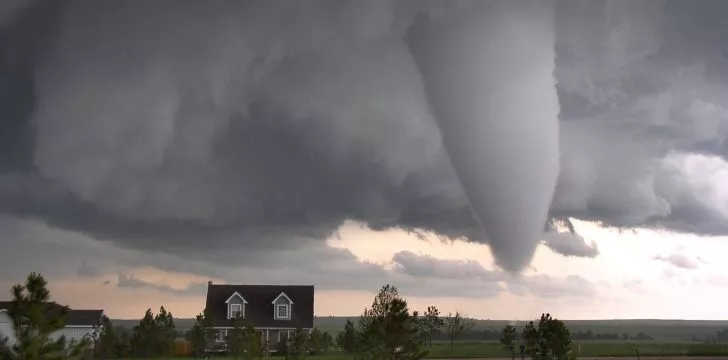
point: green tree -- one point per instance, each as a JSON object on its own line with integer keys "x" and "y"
{"x": 298, "y": 345}
{"x": 347, "y": 339}
{"x": 123, "y": 343}
{"x": 243, "y": 341}
{"x": 106, "y": 344}
{"x": 201, "y": 335}
{"x": 235, "y": 340}
{"x": 35, "y": 319}
{"x": 167, "y": 332}
{"x": 326, "y": 342}
{"x": 432, "y": 323}
{"x": 146, "y": 337}
{"x": 253, "y": 346}
{"x": 319, "y": 342}
{"x": 555, "y": 338}
{"x": 455, "y": 326}
{"x": 509, "y": 334}
{"x": 530, "y": 338}
{"x": 387, "y": 331}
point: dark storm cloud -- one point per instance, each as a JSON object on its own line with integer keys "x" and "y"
{"x": 257, "y": 127}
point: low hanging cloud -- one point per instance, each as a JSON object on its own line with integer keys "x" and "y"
{"x": 257, "y": 129}
{"x": 570, "y": 244}
{"x": 130, "y": 281}
{"x": 679, "y": 261}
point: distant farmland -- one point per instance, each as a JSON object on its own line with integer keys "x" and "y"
{"x": 660, "y": 330}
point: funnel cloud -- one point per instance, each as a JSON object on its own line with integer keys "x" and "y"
{"x": 181, "y": 127}
{"x": 504, "y": 151}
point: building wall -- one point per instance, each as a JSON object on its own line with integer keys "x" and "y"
{"x": 73, "y": 333}
{"x": 6, "y": 328}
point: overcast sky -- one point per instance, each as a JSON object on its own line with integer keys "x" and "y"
{"x": 147, "y": 147}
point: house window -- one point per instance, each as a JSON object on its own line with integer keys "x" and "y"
{"x": 221, "y": 335}
{"x": 236, "y": 309}
{"x": 282, "y": 312}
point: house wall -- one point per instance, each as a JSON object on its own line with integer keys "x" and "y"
{"x": 73, "y": 333}
{"x": 6, "y": 328}
{"x": 273, "y": 335}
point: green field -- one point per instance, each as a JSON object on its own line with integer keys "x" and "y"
{"x": 664, "y": 331}
{"x": 590, "y": 349}
{"x": 672, "y": 338}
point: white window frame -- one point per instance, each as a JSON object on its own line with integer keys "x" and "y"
{"x": 278, "y": 311}
{"x": 241, "y": 310}
{"x": 229, "y": 307}
{"x": 221, "y": 335}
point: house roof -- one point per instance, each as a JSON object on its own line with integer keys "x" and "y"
{"x": 74, "y": 317}
{"x": 259, "y": 309}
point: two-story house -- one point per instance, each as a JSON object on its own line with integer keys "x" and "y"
{"x": 274, "y": 310}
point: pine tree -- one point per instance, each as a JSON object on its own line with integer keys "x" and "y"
{"x": 123, "y": 343}
{"x": 236, "y": 337}
{"x": 254, "y": 348}
{"x": 387, "y": 331}
{"x": 298, "y": 346}
{"x": 167, "y": 332}
{"x": 35, "y": 319}
{"x": 106, "y": 347}
{"x": 347, "y": 339}
{"x": 198, "y": 334}
{"x": 146, "y": 337}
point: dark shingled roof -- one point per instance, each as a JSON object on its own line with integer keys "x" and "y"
{"x": 74, "y": 317}
{"x": 259, "y": 309}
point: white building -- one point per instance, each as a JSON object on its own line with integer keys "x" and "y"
{"x": 79, "y": 324}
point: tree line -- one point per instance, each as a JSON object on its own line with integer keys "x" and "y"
{"x": 388, "y": 330}
{"x": 155, "y": 336}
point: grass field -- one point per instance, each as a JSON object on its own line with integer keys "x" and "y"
{"x": 663, "y": 331}
{"x": 590, "y": 349}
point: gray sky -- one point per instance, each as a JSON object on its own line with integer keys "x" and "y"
{"x": 200, "y": 139}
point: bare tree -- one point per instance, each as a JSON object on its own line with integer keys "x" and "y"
{"x": 455, "y": 326}
{"x": 432, "y": 323}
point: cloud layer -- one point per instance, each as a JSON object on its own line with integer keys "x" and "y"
{"x": 231, "y": 130}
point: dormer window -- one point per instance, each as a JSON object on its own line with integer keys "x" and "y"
{"x": 235, "y": 310}
{"x": 282, "y": 311}
{"x": 282, "y": 305}
{"x": 235, "y": 305}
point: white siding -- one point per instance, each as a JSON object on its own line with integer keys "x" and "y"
{"x": 6, "y": 328}
{"x": 73, "y": 333}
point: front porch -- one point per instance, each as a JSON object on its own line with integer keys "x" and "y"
{"x": 269, "y": 336}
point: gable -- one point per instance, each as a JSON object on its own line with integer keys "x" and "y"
{"x": 236, "y": 296}
{"x": 282, "y": 298}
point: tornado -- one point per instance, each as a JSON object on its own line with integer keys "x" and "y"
{"x": 488, "y": 74}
